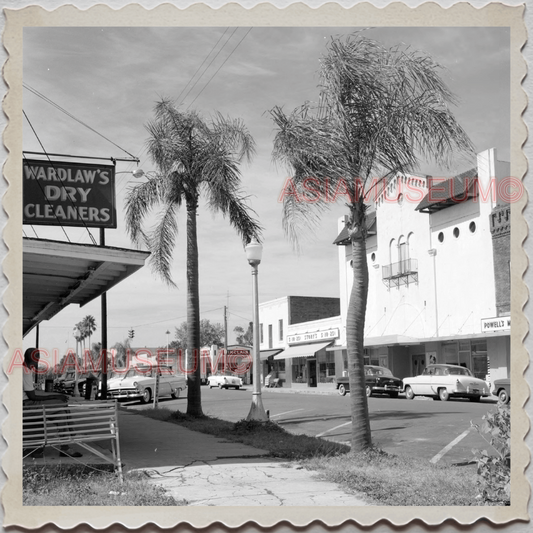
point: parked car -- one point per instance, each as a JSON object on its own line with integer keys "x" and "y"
{"x": 446, "y": 381}
{"x": 65, "y": 383}
{"x": 502, "y": 389}
{"x": 139, "y": 383}
{"x": 224, "y": 381}
{"x": 377, "y": 379}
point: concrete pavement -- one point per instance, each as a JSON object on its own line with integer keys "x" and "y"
{"x": 205, "y": 470}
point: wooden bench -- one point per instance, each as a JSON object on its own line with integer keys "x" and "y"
{"x": 82, "y": 423}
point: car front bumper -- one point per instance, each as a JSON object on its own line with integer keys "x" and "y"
{"x": 386, "y": 388}
{"x": 124, "y": 394}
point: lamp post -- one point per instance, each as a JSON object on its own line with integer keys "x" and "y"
{"x": 254, "y": 251}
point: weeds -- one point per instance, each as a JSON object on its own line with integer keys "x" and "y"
{"x": 72, "y": 485}
{"x": 495, "y": 471}
{"x": 400, "y": 481}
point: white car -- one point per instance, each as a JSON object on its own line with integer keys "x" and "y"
{"x": 446, "y": 381}
{"x": 140, "y": 382}
{"x": 224, "y": 381}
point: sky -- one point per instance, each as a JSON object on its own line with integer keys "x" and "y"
{"x": 110, "y": 79}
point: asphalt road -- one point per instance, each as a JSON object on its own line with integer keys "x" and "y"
{"x": 435, "y": 430}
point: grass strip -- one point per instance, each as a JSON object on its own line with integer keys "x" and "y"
{"x": 400, "y": 481}
{"x": 383, "y": 478}
{"x": 75, "y": 485}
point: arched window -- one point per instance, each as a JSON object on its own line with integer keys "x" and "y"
{"x": 411, "y": 245}
{"x": 392, "y": 251}
{"x": 403, "y": 254}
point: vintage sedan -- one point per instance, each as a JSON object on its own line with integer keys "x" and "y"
{"x": 502, "y": 389}
{"x": 442, "y": 382}
{"x": 65, "y": 383}
{"x": 139, "y": 383}
{"x": 378, "y": 379}
{"x": 224, "y": 381}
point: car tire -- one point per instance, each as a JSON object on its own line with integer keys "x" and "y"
{"x": 342, "y": 390}
{"x": 147, "y": 396}
{"x": 393, "y": 394}
{"x": 176, "y": 394}
{"x": 475, "y": 398}
{"x": 237, "y": 387}
{"x": 444, "y": 395}
{"x": 503, "y": 397}
{"x": 368, "y": 391}
{"x": 409, "y": 394}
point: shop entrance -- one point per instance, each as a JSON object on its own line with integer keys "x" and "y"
{"x": 311, "y": 372}
{"x": 418, "y": 363}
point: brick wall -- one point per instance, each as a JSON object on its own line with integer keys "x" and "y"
{"x": 500, "y": 228}
{"x": 307, "y": 308}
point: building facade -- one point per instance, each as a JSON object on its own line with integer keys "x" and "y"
{"x": 439, "y": 274}
{"x": 438, "y": 252}
{"x": 301, "y": 340}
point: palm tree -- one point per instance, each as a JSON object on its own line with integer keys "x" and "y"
{"x": 194, "y": 157}
{"x": 89, "y": 326}
{"x": 380, "y": 111}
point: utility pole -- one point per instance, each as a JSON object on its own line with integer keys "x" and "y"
{"x": 225, "y": 337}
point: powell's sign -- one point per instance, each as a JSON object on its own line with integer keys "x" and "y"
{"x": 69, "y": 194}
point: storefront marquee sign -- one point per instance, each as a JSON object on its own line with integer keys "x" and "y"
{"x": 313, "y": 336}
{"x": 500, "y": 323}
{"x": 58, "y": 193}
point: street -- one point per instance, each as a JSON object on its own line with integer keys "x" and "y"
{"x": 435, "y": 430}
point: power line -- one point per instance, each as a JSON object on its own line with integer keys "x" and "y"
{"x": 205, "y": 59}
{"x": 216, "y": 72}
{"x": 57, "y": 106}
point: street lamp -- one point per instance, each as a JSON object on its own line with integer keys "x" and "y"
{"x": 254, "y": 251}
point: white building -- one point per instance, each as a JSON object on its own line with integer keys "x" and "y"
{"x": 435, "y": 270}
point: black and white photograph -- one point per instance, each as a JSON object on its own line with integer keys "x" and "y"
{"x": 267, "y": 266}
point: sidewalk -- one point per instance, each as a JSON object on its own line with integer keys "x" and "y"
{"x": 205, "y": 470}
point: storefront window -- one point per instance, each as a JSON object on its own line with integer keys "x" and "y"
{"x": 480, "y": 360}
{"x": 299, "y": 370}
{"x": 451, "y": 354}
{"x": 326, "y": 367}
{"x": 370, "y": 358}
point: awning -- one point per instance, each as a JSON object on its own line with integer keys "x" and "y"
{"x": 304, "y": 350}
{"x": 56, "y": 274}
{"x": 402, "y": 340}
{"x": 391, "y": 340}
{"x": 265, "y": 354}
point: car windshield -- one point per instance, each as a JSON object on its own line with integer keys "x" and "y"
{"x": 139, "y": 372}
{"x": 378, "y": 371}
{"x": 457, "y": 371}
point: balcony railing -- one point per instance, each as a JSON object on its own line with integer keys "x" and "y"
{"x": 401, "y": 273}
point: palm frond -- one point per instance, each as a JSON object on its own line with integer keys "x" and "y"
{"x": 162, "y": 241}
{"x": 140, "y": 200}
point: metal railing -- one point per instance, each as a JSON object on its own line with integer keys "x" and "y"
{"x": 402, "y": 268}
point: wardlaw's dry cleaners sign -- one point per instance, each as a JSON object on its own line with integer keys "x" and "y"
{"x": 69, "y": 194}
{"x": 313, "y": 336}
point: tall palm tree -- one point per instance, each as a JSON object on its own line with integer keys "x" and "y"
{"x": 380, "y": 111}
{"x": 194, "y": 157}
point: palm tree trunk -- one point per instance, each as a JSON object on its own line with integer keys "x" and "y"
{"x": 194, "y": 400}
{"x": 355, "y": 325}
